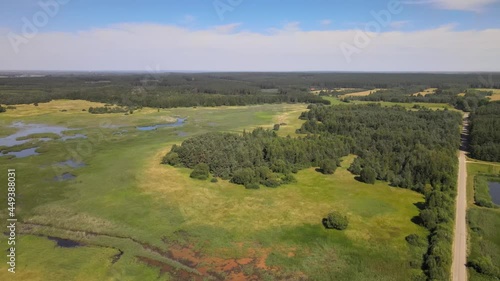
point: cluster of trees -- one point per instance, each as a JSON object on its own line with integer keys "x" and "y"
{"x": 260, "y": 157}
{"x": 410, "y": 149}
{"x": 106, "y": 109}
{"x": 2, "y": 109}
{"x": 406, "y": 148}
{"x": 485, "y": 133}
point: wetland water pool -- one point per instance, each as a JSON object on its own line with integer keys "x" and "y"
{"x": 24, "y": 153}
{"x": 72, "y": 163}
{"x": 65, "y": 177}
{"x": 494, "y": 188}
{"x": 180, "y": 122}
{"x": 25, "y": 130}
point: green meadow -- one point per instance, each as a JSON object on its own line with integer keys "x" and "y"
{"x": 484, "y": 241}
{"x": 434, "y": 106}
{"x": 135, "y": 219}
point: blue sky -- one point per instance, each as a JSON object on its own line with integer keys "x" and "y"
{"x": 425, "y": 35}
{"x": 254, "y": 15}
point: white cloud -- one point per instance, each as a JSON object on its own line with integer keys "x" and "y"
{"x": 399, "y": 24}
{"x": 137, "y": 46}
{"x": 325, "y": 22}
{"x": 292, "y": 26}
{"x": 462, "y": 5}
{"x": 188, "y": 19}
{"x": 226, "y": 28}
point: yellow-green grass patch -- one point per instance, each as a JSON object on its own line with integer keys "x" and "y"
{"x": 425, "y": 92}
{"x": 360, "y": 94}
{"x": 495, "y": 96}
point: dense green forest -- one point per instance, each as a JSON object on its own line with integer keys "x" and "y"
{"x": 168, "y": 90}
{"x": 259, "y": 157}
{"x": 410, "y": 149}
{"x": 485, "y": 133}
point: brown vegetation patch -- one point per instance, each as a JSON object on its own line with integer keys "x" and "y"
{"x": 177, "y": 273}
{"x": 222, "y": 268}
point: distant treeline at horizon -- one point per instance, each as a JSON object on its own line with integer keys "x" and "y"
{"x": 167, "y": 90}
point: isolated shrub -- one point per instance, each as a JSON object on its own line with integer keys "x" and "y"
{"x": 328, "y": 167}
{"x": 200, "y": 172}
{"x": 368, "y": 175}
{"x": 336, "y": 220}
{"x": 2, "y": 109}
{"x": 276, "y": 127}
{"x": 214, "y": 180}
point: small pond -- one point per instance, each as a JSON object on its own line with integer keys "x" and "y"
{"x": 65, "y": 177}
{"x": 494, "y": 192}
{"x": 65, "y": 243}
{"x": 24, "y": 153}
{"x": 72, "y": 163}
{"x": 180, "y": 122}
{"x": 77, "y": 136}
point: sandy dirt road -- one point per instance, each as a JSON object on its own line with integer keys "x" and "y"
{"x": 458, "y": 267}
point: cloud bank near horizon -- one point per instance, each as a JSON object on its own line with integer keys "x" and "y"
{"x": 459, "y": 5}
{"x": 139, "y": 46}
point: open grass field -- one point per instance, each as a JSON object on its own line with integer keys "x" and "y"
{"x": 338, "y": 91}
{"x": 495, "y": 96}
{"x": 359, "y": 94}
{"x": 434, "y": 106}
{"x": 425, "y": 92}
{"x": 135, "y": 219}
{"x": 484, "y": 223}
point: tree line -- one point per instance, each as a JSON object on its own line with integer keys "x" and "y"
{"x": 108, "y": 109}
{"x": 469, "y": 102}
{"x": 485, "y": 133}
{"x": 214, "y": 89}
